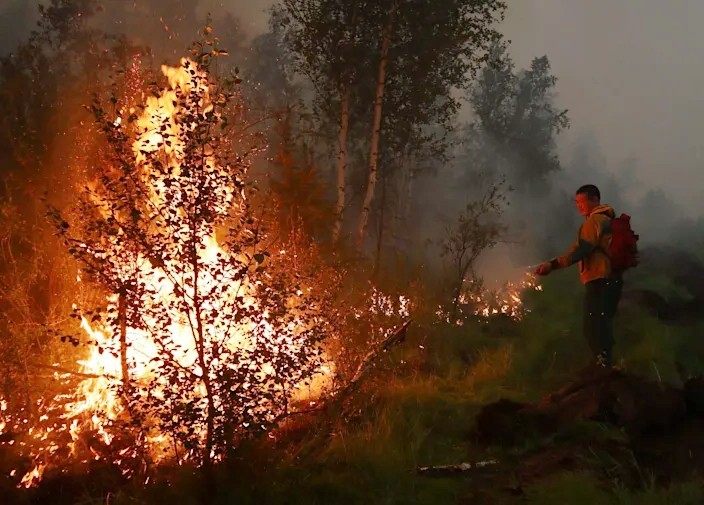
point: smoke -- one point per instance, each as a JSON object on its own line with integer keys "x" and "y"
{"x": 655, "y": 212}
{"x": 166, "y": 26}
{"x": 17, "y": 18}
{"x": 628, "y": 73}
{"x": 630, "y": 76}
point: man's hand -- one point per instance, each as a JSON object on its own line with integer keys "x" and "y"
{"x": 543, "y": 269}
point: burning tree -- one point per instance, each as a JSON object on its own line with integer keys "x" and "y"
{"x": 206, "y": 337}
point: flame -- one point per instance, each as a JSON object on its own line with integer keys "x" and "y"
{"x": 507, "y": 300}
{"x": 3, "y": 410}
{"x": 96, "y": 404}
{"x": 379, "y": 303}
{"x": 386, "y": 307}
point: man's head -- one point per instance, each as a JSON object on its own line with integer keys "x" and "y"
{"x": 586, "y": 198}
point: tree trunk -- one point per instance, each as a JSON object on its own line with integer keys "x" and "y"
{"x": 342, "y": 160}
{"x": 408, "y": 193}
{"x": 380, "y": 234}
{"x": 210, "y": 414}
{"x": 122, "y": 317}
{"x": 200, "y": 342}
{"x": 207, "y": 459}
{"x": 376, "y": 126}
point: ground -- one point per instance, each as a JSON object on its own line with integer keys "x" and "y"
{"x": 557, "y": 435}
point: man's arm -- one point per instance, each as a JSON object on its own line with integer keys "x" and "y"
{"x": 580, "y": 249}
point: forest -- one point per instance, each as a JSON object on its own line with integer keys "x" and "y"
{"x": 298, "y": 266}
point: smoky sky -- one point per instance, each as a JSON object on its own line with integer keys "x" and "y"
{"x": 17, "y": 18}
{"x": 630, "y": 72}
{"x": 253, "y": 13}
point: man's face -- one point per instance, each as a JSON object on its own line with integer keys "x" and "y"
{"x": 585, "y": 204}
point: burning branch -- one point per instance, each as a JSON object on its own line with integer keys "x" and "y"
{"x": 367, "y": 363}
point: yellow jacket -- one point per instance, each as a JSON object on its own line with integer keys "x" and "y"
{"x": 590, "y": 248}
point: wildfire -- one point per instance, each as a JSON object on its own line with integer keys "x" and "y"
{"x": 97, "y": 406}
{"x": 379, "y": 303}
{"x": 505, "y": 300}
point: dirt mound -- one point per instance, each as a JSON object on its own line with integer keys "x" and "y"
{"x": 605, "y": 419}
{"x": 601, "y": 394}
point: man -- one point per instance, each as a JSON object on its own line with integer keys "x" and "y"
{"x": 603, "y": 287}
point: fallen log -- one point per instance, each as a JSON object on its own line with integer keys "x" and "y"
{"x": 367, "y": 363}
{"x": 337, "y": 397}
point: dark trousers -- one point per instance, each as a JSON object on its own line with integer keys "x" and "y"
{"x": 600, "y": 304}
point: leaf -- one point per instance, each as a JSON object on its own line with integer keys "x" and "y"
{"x": 259, "y": 258}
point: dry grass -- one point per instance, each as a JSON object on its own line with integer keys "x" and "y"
{"x": 490, "y": 365}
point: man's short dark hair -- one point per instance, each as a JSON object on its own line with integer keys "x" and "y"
{"x": 590, "y": 190}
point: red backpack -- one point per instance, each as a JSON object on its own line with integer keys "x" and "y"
{"x": 623, "y": 250}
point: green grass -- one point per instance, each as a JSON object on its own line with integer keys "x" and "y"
{"x": 420, "y": 410}
{"x": 422, "y": 414}
{"x": 581, "y": 488}
{"x": 373, "y": 458}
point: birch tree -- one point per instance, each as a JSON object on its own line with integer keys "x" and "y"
{"x": 386, "y": 35}
{"x": 427, "y": 48}
{"x": 420, "y": 51}
{"x": 324, "y": 37}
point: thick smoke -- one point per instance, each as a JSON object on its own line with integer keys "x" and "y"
{"x": 628, "y": 73}
{"x": 17, "y": 18}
